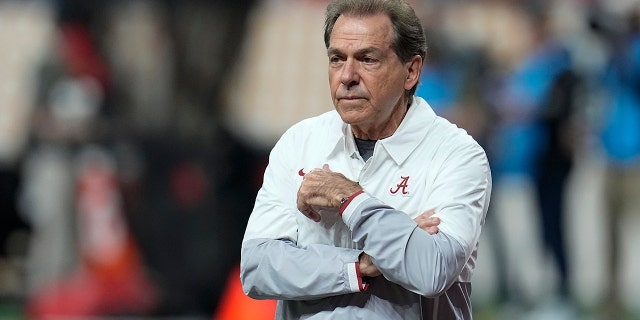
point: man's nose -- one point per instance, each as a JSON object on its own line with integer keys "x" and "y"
{"x": 349, "y": 76}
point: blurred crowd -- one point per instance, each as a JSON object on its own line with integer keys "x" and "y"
{"x": 122, "y": 191}
{"x": 133, "y": 136}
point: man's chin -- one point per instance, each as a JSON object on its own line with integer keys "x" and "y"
{"x": 351, "y": 116}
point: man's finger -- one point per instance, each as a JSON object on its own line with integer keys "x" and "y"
{"x": 432, "y": 230}
{"x": 307, "y": 210}
{"x": 312, "y": 214}
{"x": 429, "y": 224}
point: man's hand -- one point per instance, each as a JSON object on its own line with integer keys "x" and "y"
{"x": 428, "y": 223}
{"x": 323, "y": 188}
{"x": 367, "y": 268}
{"x": 425, "y": 222}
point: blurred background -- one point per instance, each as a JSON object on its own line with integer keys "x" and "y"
{"x": 134, "y": 134}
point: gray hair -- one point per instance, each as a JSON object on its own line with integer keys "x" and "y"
{"x": 409, "y": 34}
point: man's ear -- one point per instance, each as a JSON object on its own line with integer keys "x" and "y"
{"x": 414, "y": 67}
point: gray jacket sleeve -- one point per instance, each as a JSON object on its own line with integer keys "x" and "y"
{"x": 278, "y": 269}
{"x": 405, "y": 254}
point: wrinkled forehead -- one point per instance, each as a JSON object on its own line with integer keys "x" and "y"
{"x": 371, "y": 30}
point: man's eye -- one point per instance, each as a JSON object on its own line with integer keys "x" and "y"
{"x": 369, "y": 60}
{"x": 334, "y": 59}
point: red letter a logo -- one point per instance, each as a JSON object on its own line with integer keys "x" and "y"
{"x": 401, "y": 186}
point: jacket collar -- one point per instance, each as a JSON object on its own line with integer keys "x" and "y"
{"x": 410, "y": 133}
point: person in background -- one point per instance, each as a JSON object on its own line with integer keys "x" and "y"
{"x": 373, "y": 210}
{"x": 553, "y": 86}
{"x": 620, "y": 141}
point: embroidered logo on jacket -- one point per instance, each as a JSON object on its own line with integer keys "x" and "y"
{"x": 401, "y": 187}
{"x": 301, "y": 172}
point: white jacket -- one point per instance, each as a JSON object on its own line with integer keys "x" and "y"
{"x": 428, "y": 163}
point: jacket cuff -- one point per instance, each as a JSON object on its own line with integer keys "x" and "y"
{"x": 354, "y": 202}
{"x": 356, "y": 284}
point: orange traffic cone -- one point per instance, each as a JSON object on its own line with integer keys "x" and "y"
{"x": 235, "y": 305}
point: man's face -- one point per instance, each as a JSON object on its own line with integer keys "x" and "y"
{"x": 366, "y": 77}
